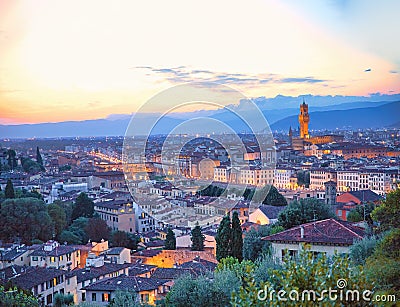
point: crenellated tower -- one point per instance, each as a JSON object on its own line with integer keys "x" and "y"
{"x": 304, "y": 119}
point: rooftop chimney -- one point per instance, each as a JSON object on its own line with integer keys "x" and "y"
{"x": 302, "y": 232}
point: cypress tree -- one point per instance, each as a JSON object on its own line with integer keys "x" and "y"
{"x": 237, "y": 237}
{"x": 197, "y": 238}
{"x": 170, "y": 241}
{"x": 11, "y": 159}
{"x": 9, "y": 192}
{"x": 39, "y": 158}
{"x": 223, "y": 238}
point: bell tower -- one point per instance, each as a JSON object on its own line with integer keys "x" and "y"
{"x": 304, "y": 119}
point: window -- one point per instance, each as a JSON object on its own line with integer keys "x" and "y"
{"x": 35, "y": 258}
{"x": 105, "y": 297}
{"x": 49, "y": 299}
{"x": 94, "y": 297}
{"x": 144, "y": 297}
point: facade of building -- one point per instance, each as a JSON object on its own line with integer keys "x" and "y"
{"x": 257, "y": 176}
{"x": 54, "y": 255}
{"x": 282, "y": 177}
{"x": 118, "y": 214}
{"x": 318, "y": 177}
{"x": 326, "y": 236}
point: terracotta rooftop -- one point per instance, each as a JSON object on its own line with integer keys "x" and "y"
{"x": 329, "y": 231}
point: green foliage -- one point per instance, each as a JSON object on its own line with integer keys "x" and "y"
{"x": 274, "y": 198}
{"x": 268, "y": 195}
{"x": 11, "y": 159}
{"x": 223, "y": 238}
{"x": 306, "y": 272}
{"x": 64, "y": 168}
{"x": 76, "y": 233}
{"x": 263, "y": 266}
{"x": 68, "y": 207}
{"x": 253, "y": 246}
{"x": 211, "y": 190}
{"x": 26, "y": 218}
{"x": 97, "y": 229}
{"x": 30, "y": 166}
{"x": 63, "y": 300}
{"x": 197, "y": 238}
{"x": 23, "y": 193}
{"x": 124, "y": 298}
{"x": 9, "y": 191}
{"x": 16, "y": 298}
{"x": 122, "y": 238}
{"x": 383, "y": 267}
{"x": 39, "y": 158}
{"x": 388, "y": 213}
{"x": 304, "y": 211}
{"x": 237, "y": 237}
{"x": 357, "y": 214}
{"x": 241, "y": 269}
{"x": 84, "y": 207}
{"x": 303, "y": 178}
{"x": 361, "y": 250}
{"x": 57, "y": 215}
{"x": 170, "y": 242}
{"x": 201, "y": 291}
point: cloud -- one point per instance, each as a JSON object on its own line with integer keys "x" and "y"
{"x": 184, "y": 74}
{"x": 301, "y": 80}
{"x": 393, "y": 71}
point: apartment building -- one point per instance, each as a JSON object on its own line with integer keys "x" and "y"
{"x": 318, "y": 177}
{"x": 119, "y": 214}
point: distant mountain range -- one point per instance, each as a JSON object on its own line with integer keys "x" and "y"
{"x": 385, "y": 115}
{"x": 356, "y": 115}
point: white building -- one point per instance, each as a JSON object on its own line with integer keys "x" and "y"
{"x": 282, "y": 177}
{"x": 318, "y": 177}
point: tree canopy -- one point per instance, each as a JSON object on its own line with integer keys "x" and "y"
{"x": 237, "y": 237}
{"x": 304, "y": 211}
{"x": 197, "y": 239}
{"x": 388, "y": 213}
{"x": 16, "y": 298}
{"x": 84, "y": 207}
{"x": 9, "y": 191}
{"x": 58, "y": 216}
{"x": 25, "y": 218}
{"x": 170, "y": 240}
{"x": 223, "y": 238}
{"x": 97, "y": 229}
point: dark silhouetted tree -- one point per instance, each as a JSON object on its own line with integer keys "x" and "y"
{"x": 97, "y": 229}
{"x": 223, "y": 238}
{"x": 237, "y": 237}
{"x": 84, "y": 207}
{"x": 58, "y": 217}
{"x": 12, "y": 158}
{"x": 9, "y": 192}
{"x": 170, "y": 242}
{"x": 25, "y": 218}
{"x": 304, "y": 211}
{"x": 39, "y": 158}
{"x": 197, "y": 238}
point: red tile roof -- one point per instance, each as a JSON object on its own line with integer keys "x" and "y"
{"x": 328, "y": 231}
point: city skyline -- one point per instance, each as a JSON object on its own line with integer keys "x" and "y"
{"x": 63, "y": 61}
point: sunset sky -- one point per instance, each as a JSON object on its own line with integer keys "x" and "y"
{"x": 75, "y": 60}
